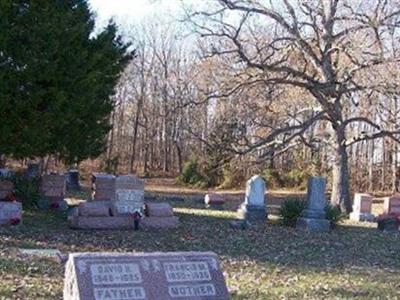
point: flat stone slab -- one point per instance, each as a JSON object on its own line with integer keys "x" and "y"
{"x": 151, "y": 276}
{"x": 159, "y": 210}
{"x": 53, "y": 254}
{"x": 159, "y": 222}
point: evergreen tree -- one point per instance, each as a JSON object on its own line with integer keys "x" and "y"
{"x": 56, "y": 79}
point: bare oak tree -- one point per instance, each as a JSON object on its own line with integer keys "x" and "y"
{"x": 337, "y": 51}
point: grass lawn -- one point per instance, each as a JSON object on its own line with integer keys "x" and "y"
{"x": 270, "y": 261}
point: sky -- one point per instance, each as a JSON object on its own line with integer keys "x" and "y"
{"x": 132, "y": 11}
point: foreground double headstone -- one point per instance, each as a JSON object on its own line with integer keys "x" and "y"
{"x": 151, "y": 276}
{"x": 253, "y": 207}
{"x": 314, "y": 216}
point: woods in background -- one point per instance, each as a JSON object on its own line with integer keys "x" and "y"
{"x": 287, "y": 90}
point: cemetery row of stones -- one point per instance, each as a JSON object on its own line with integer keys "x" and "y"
{"x": 118, "y": 202}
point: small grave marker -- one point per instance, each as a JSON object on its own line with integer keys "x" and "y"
{"x": 362, "y": 206}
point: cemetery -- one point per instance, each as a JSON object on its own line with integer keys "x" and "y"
{"x": 199, "y": 149}
{"x": 43, "y": 256}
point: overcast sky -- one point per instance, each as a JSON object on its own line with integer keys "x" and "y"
{"x": 132, "y": 11}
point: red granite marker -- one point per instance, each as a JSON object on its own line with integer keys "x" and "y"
{"x": 151, "y": 276}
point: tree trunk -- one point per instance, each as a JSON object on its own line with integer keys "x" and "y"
{"x": 341, "y": 179}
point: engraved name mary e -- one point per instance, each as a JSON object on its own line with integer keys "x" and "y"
{"x": 175, "y": 275}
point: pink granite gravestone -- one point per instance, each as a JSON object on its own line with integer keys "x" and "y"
{"x": 392, "y": 204}
{"x": 52, "y": 188}
{"x": 362, "y": 206}
{"x": 159, "y": 210}
{"x": 6, "y": 189}
{"x": 95, "y": 209}
{"x": 151, "y": 276}
{"x": 103, "y": 186}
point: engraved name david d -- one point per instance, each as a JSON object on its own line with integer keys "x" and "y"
{"x": 115, "y": 273}
{"x": 186, "y": 271}
{"x": 120, "y": 293}
{"x": 198, "y": 290}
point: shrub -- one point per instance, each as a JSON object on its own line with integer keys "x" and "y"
{"x": 333, "y": 213}
{"x": 290, "y": 210}
{"x": 191, "y": 174}
{"x": 26, "y": 190}
{"x": 272, "y": 178}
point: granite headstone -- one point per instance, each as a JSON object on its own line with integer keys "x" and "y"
{"x": 314, "y": 217}
{"x": 151, "y": 276}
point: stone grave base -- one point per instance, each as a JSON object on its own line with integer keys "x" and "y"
{"x": 252, "y": 213}
{"x": 109, "y": 222}
{"x": 313, "y": 225}
{"x": 361, "y": 217}
{"x": 10, "y": 213}
{"x": 214, "y": 201}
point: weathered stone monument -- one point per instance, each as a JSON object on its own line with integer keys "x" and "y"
{"x": 253, "y": 208}
{"x": 129, "y": 194}
{"x": 103, "y": 186}
{"x": 362, "y": 206}
{"x": 314, "y": 216}
{"x": 391, "y": 205}
{"x": 33, "y": 170}
{"x": 10, "y": 213}
{"x": 150, "y": 276}
{"x": 73, "y": 180}
{"x": 214, "y": 201}
{"x": 52, "y": 189}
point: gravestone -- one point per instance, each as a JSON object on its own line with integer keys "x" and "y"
{"x": 391, "y": 205}
{"x": 4, "y": 173}
{"x": 253, "y": 207}
{"x": 6, "y": 189}
{"x": 314, "y": 216}
{"x": 214, "y": 201}
{"x": 129, "y": 194}
{"x": 150, "y": 276}
{"x": 10, "y": 213}
{"x": 33, "y": 170}
{"x": 103, "y": 186}
{"x": 159, "y": 216}
{"x": 73, "y": 180}
{"x": 362, "y": 206}
{"x": 52, "y": 189}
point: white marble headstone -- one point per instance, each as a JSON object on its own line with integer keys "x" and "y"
{"x": 255, "y": 191}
